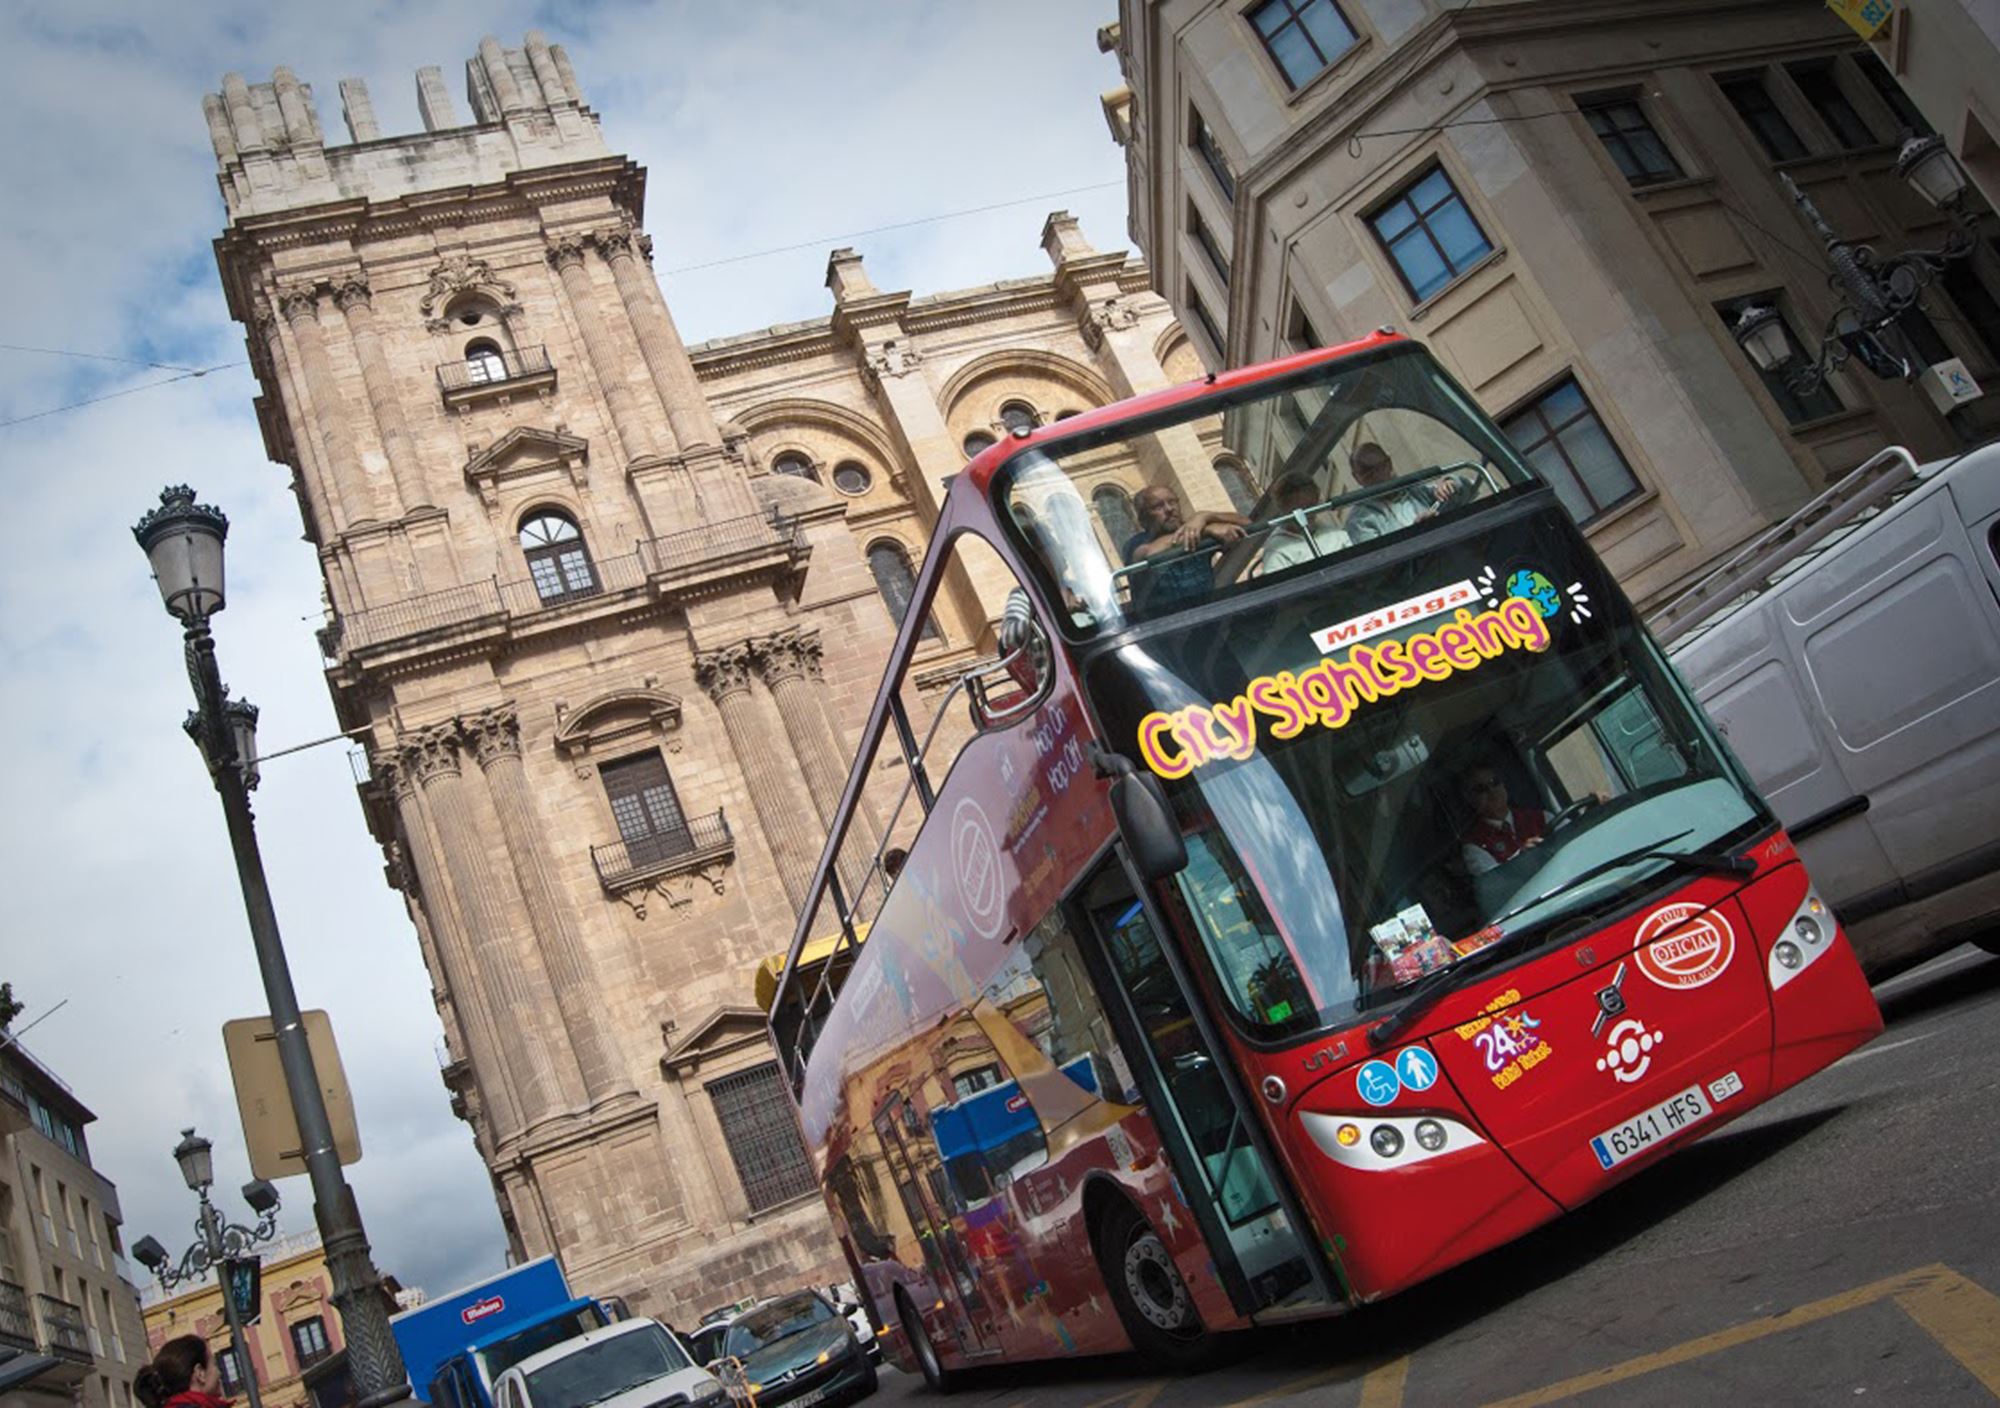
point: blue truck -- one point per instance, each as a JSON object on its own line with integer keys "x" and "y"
{"x": 456, "y": 1346}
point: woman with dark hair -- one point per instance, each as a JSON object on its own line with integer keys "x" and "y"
{"x": 181, "y": 1376}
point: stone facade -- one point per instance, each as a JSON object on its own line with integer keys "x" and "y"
{"x": 1269, "y": 177}
{"x": 66, "y": 1294}
{"x": 1947, "y": 57}
{"x": 603, "y": 753}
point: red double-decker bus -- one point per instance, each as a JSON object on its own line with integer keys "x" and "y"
{"x": 1328, "y": 881}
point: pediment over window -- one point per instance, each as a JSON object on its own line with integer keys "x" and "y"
{"x": 616, "y": 721}
{"x": 722, "y": 1031}
{"x": 522, "y": 453}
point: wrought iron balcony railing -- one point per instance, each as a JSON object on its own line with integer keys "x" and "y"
{"x": 64, "y": 1333}
{"x": 702, "y": 838}
{"x": 17, "y": 1321}
{"x": 487, "y": 369}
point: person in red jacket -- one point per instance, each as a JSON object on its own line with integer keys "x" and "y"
{"x": 181, "y": 1376}
{"x": 1499, "y": 830}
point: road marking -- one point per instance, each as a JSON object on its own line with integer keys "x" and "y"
{"x": 1139, "y": 1396}
{"x": 1964, "y": 1318}
{"x": 1921, "y": 1279}
{"x": 1383, "y": 1388}
{"x": 1270, "y": 1395}
{"x": 1865, "y": 1052}
{"x": 1935, "y": 967}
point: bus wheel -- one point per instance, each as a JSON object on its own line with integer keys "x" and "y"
{"x": 1153, "y": 1302}
{"x": 936, "y": 1376}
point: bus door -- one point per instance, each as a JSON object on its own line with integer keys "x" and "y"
{"x": 1252, "y": 1229}
{"x": 896, "y": 1124}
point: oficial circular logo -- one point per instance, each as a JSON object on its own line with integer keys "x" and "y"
{"x": 1692, "y": 956}
{"x": 975, "y": 862}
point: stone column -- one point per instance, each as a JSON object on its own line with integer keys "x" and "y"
{"x": 725, "y": 676}
{"x": 495, "y": 736}
{"x": 432, "y": 755}
{"x": 352, "y": 297}
{"x": 565, "y": 254}
{"x": 461, "y": 979}
{"x": 319, "y": 501}
{"x": 300, "y": 307}
{"x": 666, "y": 356}
{"x": 789, "y": 661}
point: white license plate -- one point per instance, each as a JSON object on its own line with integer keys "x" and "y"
{"x": 1651, "y": 1127}
{"x": 818, "y": 1395}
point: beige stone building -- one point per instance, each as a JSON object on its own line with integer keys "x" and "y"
{"x": 1569, "y": 201}
{"x": 69, "y": 1317}
{"x": 1946, "y": 56}
{"x": 608, "y": 610}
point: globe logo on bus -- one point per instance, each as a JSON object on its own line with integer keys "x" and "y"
{"x": 975, "y": 863}
{"x": 1535, "y": 589}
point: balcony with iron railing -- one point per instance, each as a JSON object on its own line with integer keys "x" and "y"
{"x": 17, "y": 1320}
{"x": 64, "y": 1331}
{"x": 495, "y": 375}
{"x": 673, "y": 564}
{"x": 626, "y": 864}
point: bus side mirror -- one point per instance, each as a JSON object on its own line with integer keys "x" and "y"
{"x": 1147, "y": 823}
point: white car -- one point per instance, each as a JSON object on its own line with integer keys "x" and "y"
{"x": 630, "y": 1364}
{"x": 848, "y": 1302}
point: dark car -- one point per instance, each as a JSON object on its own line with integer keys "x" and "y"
{"x": 796, "y": 1350}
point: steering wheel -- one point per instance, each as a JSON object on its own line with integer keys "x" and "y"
{"x": 1571, "y": 812}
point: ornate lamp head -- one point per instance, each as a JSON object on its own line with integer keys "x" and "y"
{"x": 1761, "y": 335}
{"x": 1928, "y": 165}
{"x": 196, "y": 1161}
{"x": 183, "y": 541}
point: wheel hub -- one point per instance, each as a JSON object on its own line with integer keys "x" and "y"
{"x": 1155, "y": 1287}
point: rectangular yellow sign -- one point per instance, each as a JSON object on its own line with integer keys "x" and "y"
{"x": 1866, "y": 18}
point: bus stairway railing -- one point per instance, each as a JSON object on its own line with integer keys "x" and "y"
{"x": 1876, "y": 482}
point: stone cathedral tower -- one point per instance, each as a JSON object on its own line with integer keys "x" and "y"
{"x": 607, "y": 611}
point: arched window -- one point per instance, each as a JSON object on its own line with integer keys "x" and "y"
{"x": 893, "y": 578}
{"x": 1235, "y": 483}
{"x": 1066, "y": 414}
{"x": 794, "y": 464}
{"x": 557, "y": 558}
{"x": 1019, "y": 417}
{"x": 1114, "y": 511}
{"x": 851, "y": 477}
{"x": 483, "y": 363}
{"x": 977, "y": 441}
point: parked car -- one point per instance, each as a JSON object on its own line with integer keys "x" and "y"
{"x": 796, "y": 1349}
{"x": 1851, "y": 656}
{"x": 848, "y": 1303}
{"x": 630, "y": 1364}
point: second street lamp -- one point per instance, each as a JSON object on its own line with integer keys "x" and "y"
{"x": 183, "y": 542}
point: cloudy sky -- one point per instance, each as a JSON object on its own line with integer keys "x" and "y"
{"x": 762, "y": 123}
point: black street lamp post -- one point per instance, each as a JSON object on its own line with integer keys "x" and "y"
{"x": 1875, "y": 292}
{"x": 216, "y": 1242}
{"x": 183, "y": 541}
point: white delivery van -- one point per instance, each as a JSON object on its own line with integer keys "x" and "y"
{"x": 1851, "y": 656}
{"x": 630, "y": 1364}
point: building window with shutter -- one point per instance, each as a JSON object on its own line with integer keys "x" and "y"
{"x": 1629, "y": 139}
{"x": 1752, "y": 100}
{"x": 558, "y": 561}
{"x": 897, "y": 583}
{"x": 309, "y": 1340}
{"x": 1202, "y": 138}
{"x": 648, "y": 813}
{"x": 1560, "y": 435}
{"x": 232, "y": 1372}
{"x": 762, "y": 1136}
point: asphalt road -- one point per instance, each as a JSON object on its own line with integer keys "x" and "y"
{"x": 1840, "y": 1244}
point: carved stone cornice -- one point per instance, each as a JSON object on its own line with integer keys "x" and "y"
{"x": 725, "y": 672}
{"x": 458, "y": 273}
{"x": 892, "y": 359}
{"x": 397, "y": 780}
{"x": 264, "y": 318}
{"x": 787, "y": 655}
{"x": 1111, "y": 315}
{"x": 493, "y": 733}
{"x": 565, "y": 252}
{"x": 299, "y": 303}
{"x": 616, "y": 241}
{"x": 430, "y": 753}
{"x": 352, "y": 291}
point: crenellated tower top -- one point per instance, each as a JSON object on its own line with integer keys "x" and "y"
{"x": 272, "y": 154}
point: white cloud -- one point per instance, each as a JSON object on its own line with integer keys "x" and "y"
{"x": 760, "y": 126}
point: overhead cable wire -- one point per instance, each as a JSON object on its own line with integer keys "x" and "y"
{"x": 94, "y": 356}
{"x": 127, "y": 391}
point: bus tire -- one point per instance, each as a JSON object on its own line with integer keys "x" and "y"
{"x": 938, "y": 1378}
{"x": 1152, "y": 1300}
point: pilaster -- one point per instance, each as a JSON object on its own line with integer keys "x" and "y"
{"x": 352, "y": 296}
{"x": 789, "y": 662}
{"x": 566, "y": 254}
{"x": 725, "y": 675}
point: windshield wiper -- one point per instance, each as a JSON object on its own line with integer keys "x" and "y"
{"x": 1428, "y": 990}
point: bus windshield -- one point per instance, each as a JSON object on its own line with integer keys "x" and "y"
{"x": 1156, "y": 514}
{"x": 1381, "y": 774}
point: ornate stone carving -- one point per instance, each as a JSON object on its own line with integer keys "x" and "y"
{"x": 680, "y": 890}
{"x": 352, "y": 291}
{"x": 459, "y": 272}
{"x": 787, "y": 655}
{"x": 264, "y": 318}
{"x": 1112, "y": 315}
{"x": 725, "y": 672}
{"x": 894, "y": 358}
{"x": 430, "y": 753}
{"x": 493, "y": 733}
{"x": 565, "y": 252}
{"x": 616, "y": 241}
{"x": 299, "y": 303}
{"x": 389, "y": 769}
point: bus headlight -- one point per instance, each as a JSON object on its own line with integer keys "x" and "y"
{"x": 1394, "y": 1141}
{"x": 1386, "y": 1140}
{"x": 1809, "y": 935}
{"x": 1430, "y": 1136}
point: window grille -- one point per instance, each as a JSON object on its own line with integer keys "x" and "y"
{"x": 762, "y": 1135}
